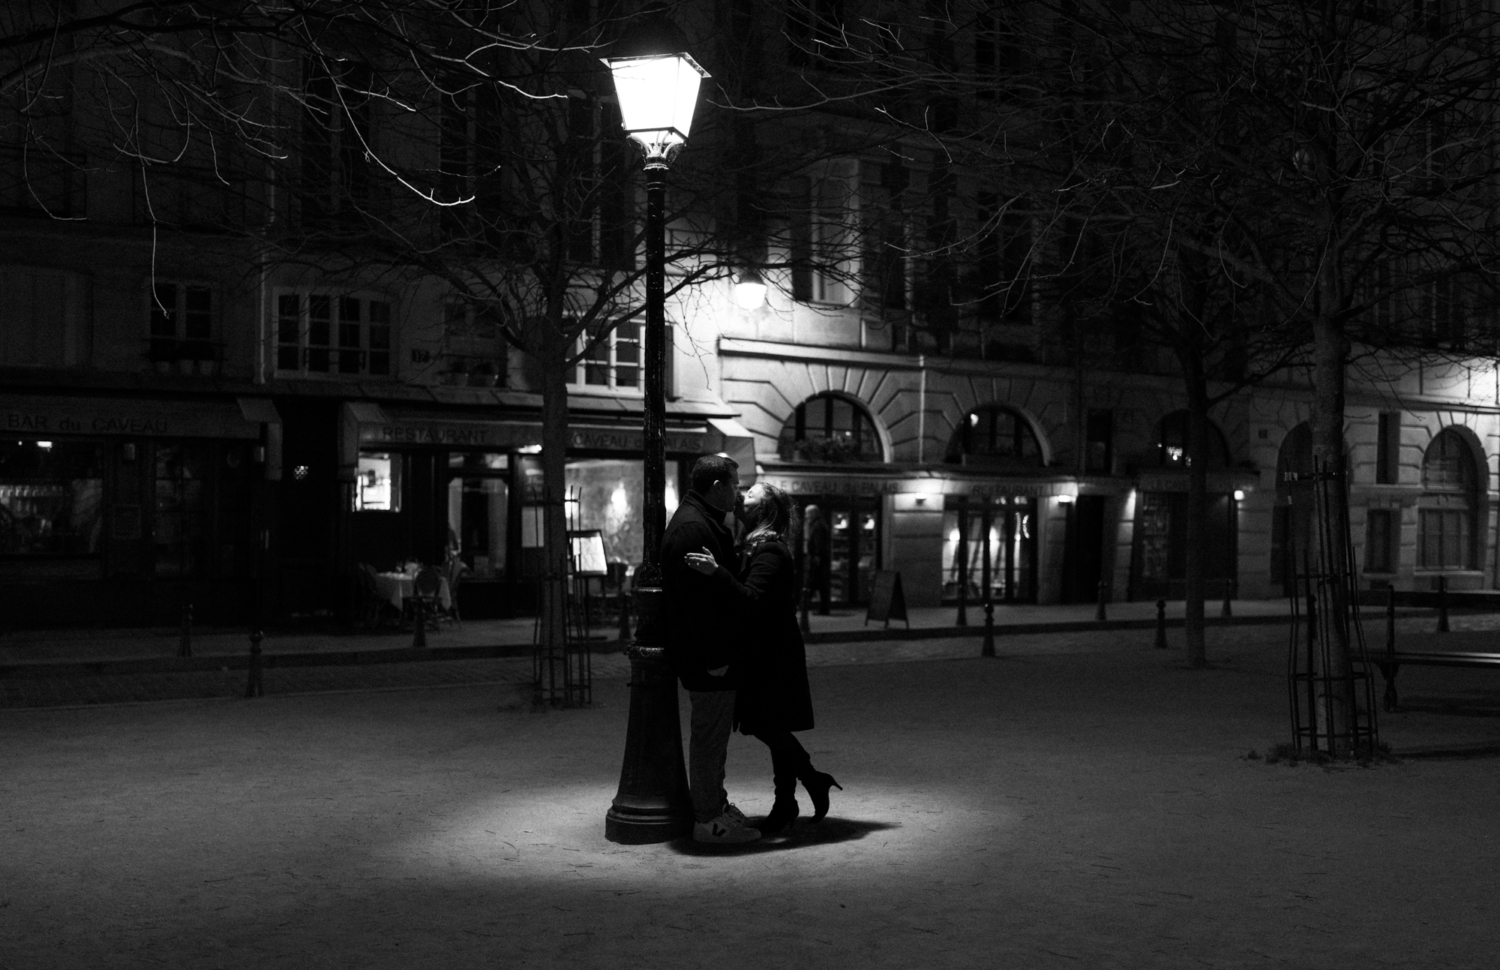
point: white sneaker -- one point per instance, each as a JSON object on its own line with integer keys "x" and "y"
{"x": 725, "y": 829}
{"x": 733, "y": 811}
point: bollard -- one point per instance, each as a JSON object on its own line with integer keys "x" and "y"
{"x": 185, "y": 642}
{"x": 1099, "y": 613}
{"x": 419, "y": 639}
{"x": 624, "y": 616}
{"x": 807, "y": 605}
{"x": 1228, "y": 595}
{"x": 963, "y": 604}
{"x": 988, "y": 649}
{"x": 1442, "y": 604}
{"x": 253, "y": 686}
{"x": 1161, "y": 624}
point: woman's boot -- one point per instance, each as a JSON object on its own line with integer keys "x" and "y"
{"x": 817, "y": 784}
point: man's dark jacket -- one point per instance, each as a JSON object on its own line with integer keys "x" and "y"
{"x": 698, "y": 623}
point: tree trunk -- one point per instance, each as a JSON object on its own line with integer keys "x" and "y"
{"x": 1197, "y": 507}
{"x": 552, "y": 604}
{"x": 1330, "y": 350}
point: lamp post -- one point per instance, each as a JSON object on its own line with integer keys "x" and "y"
{"x": 656, "y": 83}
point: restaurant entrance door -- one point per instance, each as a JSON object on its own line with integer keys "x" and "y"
{"x": 853, "y": 538}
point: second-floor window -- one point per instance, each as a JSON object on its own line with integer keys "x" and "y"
{"x": 614, "y": 361}
{"x": 181, "y": 320}
{"x": 335, "y": 139}
{"x": 823, "y": 236}
{"x": 596, "y": 166}
{"x": 332, "y": 333}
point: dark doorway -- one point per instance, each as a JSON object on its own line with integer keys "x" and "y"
{"x": 1083, "y": 558}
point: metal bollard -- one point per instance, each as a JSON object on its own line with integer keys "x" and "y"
{"x": 1228, "y": 595}
{"x": 253, "y": 686}
{"x": 419, "y": 639}
{"x": 1161, "y": 624}
{"x": 185, "y": 642}
{"x": 988, "y": 649}
{"x": 1099, "y": 614}
{"x": 806, "y": 605}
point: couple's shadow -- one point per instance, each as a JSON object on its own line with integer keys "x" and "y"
{"x": 801, "y": 834}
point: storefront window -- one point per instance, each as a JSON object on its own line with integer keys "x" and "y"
{"x": 51, "y": 497}
{"x": 377, "y": 483}
{"x": 1008, "y": 524}
{"x": 610, "y": 497}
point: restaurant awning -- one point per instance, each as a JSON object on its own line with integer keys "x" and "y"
{"x": 727, "y": 436}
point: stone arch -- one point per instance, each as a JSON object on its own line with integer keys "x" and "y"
{"x": 832, "y": 427}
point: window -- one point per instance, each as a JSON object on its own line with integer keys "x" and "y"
{"x": 1427, "y": 17}
{"x": 327, "y": 333}
{"x": 615, "y": 360}
{"x": 1004, "y": 260}
{"x": 597, "y": 164}
{"x": 51, "y": 497}
{"x": 377, "y": 482}
{"x": 335, "y": 138}
{"x": 830, "y": 428}
{"x": 887, "y": 258}
{"x": 1000, "y": 51}
{"x": 43, "y": 322}
{"x": 181, "y": 316}
{"x": 994, "y": 435}
{"x": 1379, "y": 539}
{"x": 1388, "y": 449}
{"x": 1172, "y": 442}
{"x": 1099, "y": 442}
{"x": 180, "y": 529}
{"x": 823, "y": 239}
{"x": 475, "y": 355}
{"x": 1447, "y": 509}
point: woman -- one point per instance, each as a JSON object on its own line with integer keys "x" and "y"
{"x": 771, "y": 666}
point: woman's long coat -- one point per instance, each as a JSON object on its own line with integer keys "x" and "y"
{"x": 770, "y": 665}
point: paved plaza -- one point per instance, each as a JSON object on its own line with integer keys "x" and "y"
{"x": 1081, "y": 800}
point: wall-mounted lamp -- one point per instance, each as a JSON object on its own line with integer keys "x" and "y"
{"x": 1065, "y": 499}
{"x": 749, "y": 290}
{"x": 1239, "y": 495}
{"x": 260, "y": 454}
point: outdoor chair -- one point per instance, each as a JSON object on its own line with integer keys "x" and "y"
{"x": 453, "y": 571}
{"x": 426, "y": 590}
{"x": 370, "y": 606}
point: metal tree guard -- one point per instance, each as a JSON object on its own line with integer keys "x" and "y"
{"x": 1325, "y": 612}
{"x": 565, "y": 679}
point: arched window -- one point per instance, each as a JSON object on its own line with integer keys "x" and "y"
{"x": 994, "y": 435}
{"x": 1172, "y": 442}
{"x": 1446, "y": 512}
{"x": 830, "y": 428}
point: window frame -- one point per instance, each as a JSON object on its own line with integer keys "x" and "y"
{"x": 168, "y": 332}
{"x": 1448, "y": 509}
{"x": 609, "y": 345}
{"x": 365, "y": 353}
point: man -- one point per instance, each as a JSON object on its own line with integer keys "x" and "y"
{"x": 699, "y": 639}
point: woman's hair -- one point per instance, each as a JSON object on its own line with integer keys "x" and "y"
{"x": 775, "y": 518}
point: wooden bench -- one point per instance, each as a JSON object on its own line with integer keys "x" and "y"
{"x": 1442, "y": 648}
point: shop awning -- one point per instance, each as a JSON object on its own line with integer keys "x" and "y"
{"x": 136, "y": 417}
{"x": 366, "y": 424}
{"x": 728, "y": 437}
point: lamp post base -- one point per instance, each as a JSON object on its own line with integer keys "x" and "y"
{"x": 653, "y": 804}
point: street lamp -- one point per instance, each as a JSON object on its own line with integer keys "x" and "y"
{"x": 657, "y": 84}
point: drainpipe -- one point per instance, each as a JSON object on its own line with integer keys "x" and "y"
{"x": 922, "y": 409}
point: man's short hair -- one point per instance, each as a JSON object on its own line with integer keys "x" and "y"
{"x": 710, "y": 469}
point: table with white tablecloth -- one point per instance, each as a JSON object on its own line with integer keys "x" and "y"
{"x": 399, "y": 587}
